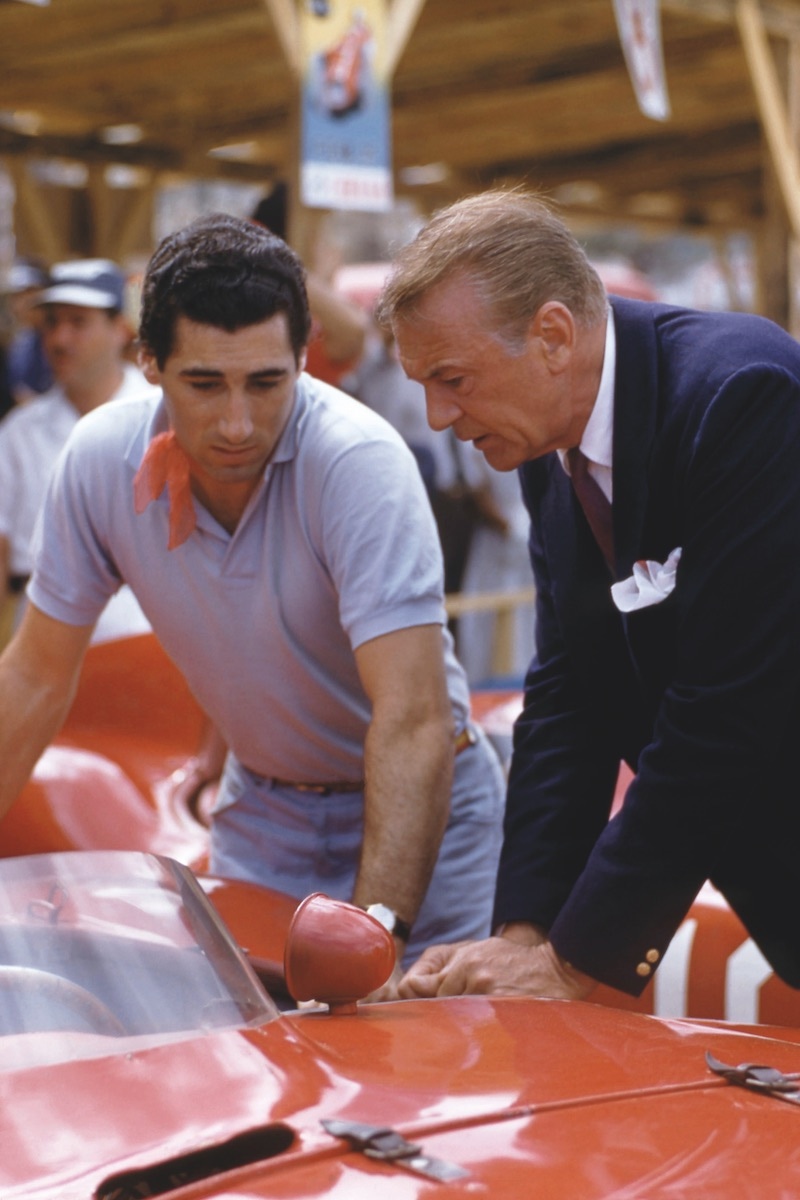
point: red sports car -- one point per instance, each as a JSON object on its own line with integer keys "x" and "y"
{"x": 140, "y": 1056}
{"x": 111, "y": 781}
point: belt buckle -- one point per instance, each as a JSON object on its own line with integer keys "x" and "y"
{"x": 315, "y": 789}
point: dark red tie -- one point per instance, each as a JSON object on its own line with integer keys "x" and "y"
{"x": 594, "y": 502}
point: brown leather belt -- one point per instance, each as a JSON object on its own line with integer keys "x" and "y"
{"x": 466, "y": 738}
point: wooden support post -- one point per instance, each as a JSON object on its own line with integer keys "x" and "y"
{"x": 770, "y": 71}
{"x": 503, "y": 644}
{"x": 771, "y": 106}
{"x": 773, "y": 250}
{"x": 31, "y": 213}
{"x": 736, "y": 301}
{"x": 793, "y": 100}
{"x": 402, "y": 17}
{"x": 287, "y": 27}
{"x": 503, "y": 606}
{"x": 100, "y": 223}
{"x": 286, "y": 21}
{"x": 138, "y": 214}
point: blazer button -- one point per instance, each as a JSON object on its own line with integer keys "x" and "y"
{"x": 652, "y": 956}
{"x": 643, "y": 969}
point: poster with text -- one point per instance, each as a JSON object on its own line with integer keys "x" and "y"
{"x": 345, "y": 156}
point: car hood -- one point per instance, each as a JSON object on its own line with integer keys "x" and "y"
{"x": 519, "y": 1096}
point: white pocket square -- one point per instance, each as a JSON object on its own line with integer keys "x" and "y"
{"x": 650, "y": 583}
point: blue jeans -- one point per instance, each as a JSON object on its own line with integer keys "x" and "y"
{"x": 300, "y": 842}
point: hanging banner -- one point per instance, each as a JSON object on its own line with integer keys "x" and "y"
{"x": 345, "y": 138}
{"x": 639, "y": 25}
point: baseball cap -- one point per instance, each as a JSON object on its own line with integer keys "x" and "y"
{"x": 87, "y": 282}
{"x": 24, "y": 275}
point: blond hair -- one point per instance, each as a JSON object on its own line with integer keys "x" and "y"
{"x": 513, "y": 247}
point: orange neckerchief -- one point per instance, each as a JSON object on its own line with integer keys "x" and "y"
{"x": 165, "y": 464}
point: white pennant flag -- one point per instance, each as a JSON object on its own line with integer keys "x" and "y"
{"x": 639, "y": 25}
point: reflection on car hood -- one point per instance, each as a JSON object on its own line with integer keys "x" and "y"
{"x": 528, "y": 1097}
{"x": 140, "y": 1056}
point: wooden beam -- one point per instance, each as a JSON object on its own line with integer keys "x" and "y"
{"x": 287, "y": 27}
{"x": 139, "y": 214}
{"x": 37, "y": 216}
{"x": 177, "y": 37}
{"x": 793, "y": 257}
{"x": 772, "y": 250}
{"x": 780, "y": 19}
{"x": 100, "y": 209}
{"x": 772, "y": 107}
{"x": 401, "y": 19}
{"x": 722, "y": 256}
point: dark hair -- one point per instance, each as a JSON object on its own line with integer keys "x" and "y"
{"x": 222, "y": 271}
{"x": 272, "y": 211}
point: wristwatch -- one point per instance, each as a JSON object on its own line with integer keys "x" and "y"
{"x": 389, "y": 920}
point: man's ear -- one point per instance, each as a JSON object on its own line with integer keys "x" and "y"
{"x": 149, "y": 367}
{"x": 554, "y": 326}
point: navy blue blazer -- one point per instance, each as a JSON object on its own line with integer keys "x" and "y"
{"x": 699, "y": 694}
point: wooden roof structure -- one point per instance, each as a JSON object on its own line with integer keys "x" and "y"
{"x": 483, "y": 91}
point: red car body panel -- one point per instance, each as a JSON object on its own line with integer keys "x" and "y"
{"x": 107, "y": 783}
{"x": 104, "y": 783}
{"x": 531, "y": 1098}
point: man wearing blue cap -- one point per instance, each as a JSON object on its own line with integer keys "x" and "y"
{"x": 85, "y": 334}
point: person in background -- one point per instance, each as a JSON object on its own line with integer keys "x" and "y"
{"x": 497, "y": 562}
{"x": 339, "y": 327}
{"x": 657, "y": 451}
{"x": 480, "y": 514}
{"x": 84, "y": 334}
{"x": 28, "y": 372}
{"x": 279, "y": 539}
{"x": 380, "y": 382}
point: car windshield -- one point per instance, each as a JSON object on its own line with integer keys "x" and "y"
{"x": 113, "y": 945}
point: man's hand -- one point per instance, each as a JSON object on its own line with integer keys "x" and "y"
{"x": 193, "y": 785}
{"x": 39, "y": 672}
{"x": 500, "y": 966}
{"x": 388, "y": 991}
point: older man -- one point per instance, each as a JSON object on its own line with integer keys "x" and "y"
{"x": 279, "y": 539}
{"x": 657, "y": 450}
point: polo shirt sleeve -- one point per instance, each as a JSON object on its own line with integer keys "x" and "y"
{"x": 375, "y": 527}
{"x": 74, "y": 575}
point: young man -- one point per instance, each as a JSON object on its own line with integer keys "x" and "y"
{"x": 278, "y": 537}
{"x": 668, "y": 589}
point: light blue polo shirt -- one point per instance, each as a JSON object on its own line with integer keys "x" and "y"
{"x": 336, "y": 547}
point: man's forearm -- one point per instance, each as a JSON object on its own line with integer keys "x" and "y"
{"x": 29, "y": 719}
{"x": 408, "y": 770}
{"x": 343, "y": 323}
{"x": 38, "y": 675}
